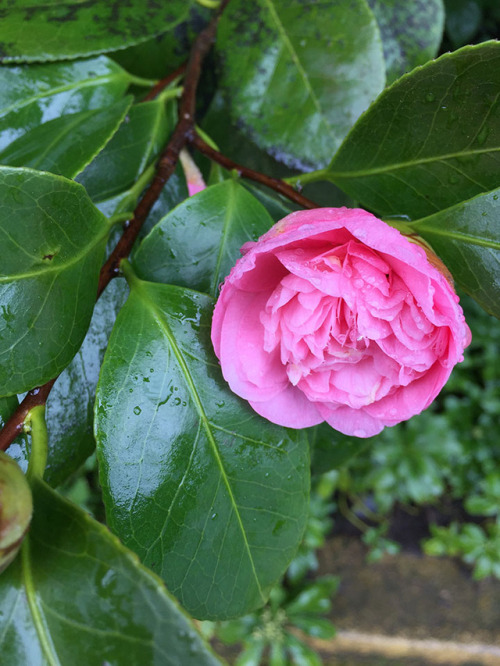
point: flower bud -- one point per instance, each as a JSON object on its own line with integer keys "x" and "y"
{"x": 16, "y": 508}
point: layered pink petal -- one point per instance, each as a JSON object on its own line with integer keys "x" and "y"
{"x": 334, "y": 315}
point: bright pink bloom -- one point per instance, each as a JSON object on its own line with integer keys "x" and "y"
{"x": 335, "y": 316}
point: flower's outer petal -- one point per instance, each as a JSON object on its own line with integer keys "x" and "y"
{"x": 354, "y": 422}
{"x": 290, "y": 408}
{"x": 251, "y": 372}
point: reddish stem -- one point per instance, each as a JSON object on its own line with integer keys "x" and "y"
{"x": 273, "y": 183}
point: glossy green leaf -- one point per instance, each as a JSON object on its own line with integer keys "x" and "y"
{"x": 411, "y": 32}
{"x": 70, "y": 407}
{"x": 162, "y": 54}
{"x": 276, "y": 205}
{"x": 331, "y": 449}
{"x": 299, "y": 73}
{"x": 466, "y": 238}
{"x": 34, "y": 30}
{"x": 32, "y": 95}
{"x": 66, "y": 145}
{"x": 133, "y": 148}
{"x": 210, "y": 496}
{"x": 174, "y": 193}
{"x": 52, "y": 241}
{"x": 430, "y": 141}
{"x": 218, "y": 220}
{"x": 235, "y": 143}
{"x": 7, "y": 406}
{"x": 76, "y": 596}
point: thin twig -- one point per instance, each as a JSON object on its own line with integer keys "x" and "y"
{"x": 164, "y": 83}
{"x": 273, "y": 183}
{"x": 165, "y": 168}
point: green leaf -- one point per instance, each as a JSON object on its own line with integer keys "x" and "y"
{"x": 65, "y": 145}
{"x": 430, "y": 141}
{"x": 163, "y": 53}
{"x": 234, "y": 143}
{"x": 133, "y": 148}
{"x": 316, "y": 627}
{"x": 298, "y": 74}
{"x": 466, "y": 238}
{"x": 218, "y": 221}
{"x": 302, "y": 654}
{"x": 411, "y": 32}
{"x": 33, "y": 30}
{"x": 208, "y": 494}
{"x": 76, "y": 596}
{"x": 251, "y": 655}
{"x": 7, "y": 406}
{"x": 277, "y": 655}
{"x": 315, "y": 598}
{"x": 52, "y": 241}
{"x": 70, "y": 407}
{"x": 276, "y": 205}
{"x": 30, "y": 96}
{"x": 331, "y": 450}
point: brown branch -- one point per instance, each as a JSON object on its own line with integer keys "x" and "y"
{"x": 164, "y": 83}
{"x": 14, "y": 426}
{"x": 273, "y": 183}
{"x": 165, "y": 168}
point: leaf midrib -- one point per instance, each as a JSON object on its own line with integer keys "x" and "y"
{"x": 411, "y": 163}
{"x": 295, "y": 58}
{"x": 457, "y": 235}
{"x": 36, "y": 614}
{"x": 165, "y": 328}
{"x": 88, "y": 83}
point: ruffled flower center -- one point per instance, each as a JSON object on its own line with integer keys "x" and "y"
{"x": 347, "y": 307}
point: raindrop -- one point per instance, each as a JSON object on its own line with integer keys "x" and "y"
{"x": 213, "y": 516}
{"x": 137, "y": 410}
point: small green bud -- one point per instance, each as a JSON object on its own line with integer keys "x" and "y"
{"x": 16, "y": 507}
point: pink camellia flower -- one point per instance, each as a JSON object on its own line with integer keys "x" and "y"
{"x": 335, "y": 316}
